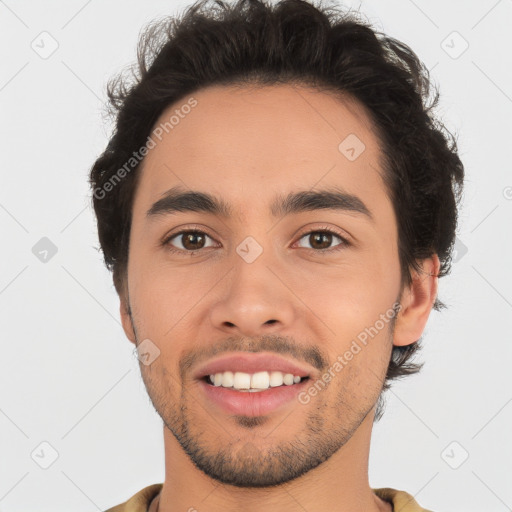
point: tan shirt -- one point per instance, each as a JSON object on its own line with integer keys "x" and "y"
{"x": 140, "y": 502}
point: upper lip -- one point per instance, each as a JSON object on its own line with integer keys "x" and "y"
{"x": 250, "y": 362}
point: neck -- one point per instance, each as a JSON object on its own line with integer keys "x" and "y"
{"x": 340, "y": 483}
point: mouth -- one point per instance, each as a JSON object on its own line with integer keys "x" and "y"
{"x": 250, "y": 401}
{"x": 251, "y": 384}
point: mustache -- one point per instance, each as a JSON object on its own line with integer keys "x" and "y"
{"x": 311, "y": 355}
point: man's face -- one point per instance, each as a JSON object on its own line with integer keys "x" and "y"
{"x": 260, "y": 282}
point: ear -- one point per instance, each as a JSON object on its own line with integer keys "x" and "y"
{"x": 417, "y": 301}
{"x": 126, "y": 319}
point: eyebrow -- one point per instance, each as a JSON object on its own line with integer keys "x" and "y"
{"x": 178, "y": 199}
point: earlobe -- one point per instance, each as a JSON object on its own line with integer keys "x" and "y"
{"x": 126, "y": 320}
{"x": 417, "y": 301}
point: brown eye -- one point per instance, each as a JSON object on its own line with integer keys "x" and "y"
{"x": 321, "y": 240}
{"x": 193, "y": 241}
{"x": 188, "y": 241}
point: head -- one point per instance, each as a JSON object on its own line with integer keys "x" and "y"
{"x": 274, "y": 114}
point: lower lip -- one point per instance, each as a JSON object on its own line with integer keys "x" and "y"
{"x": 248, "y": 403}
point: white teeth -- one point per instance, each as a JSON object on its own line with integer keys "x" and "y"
{"x": 288, "y": 379}
{"x": 260, "y": 380}
{"x": 242, "y": 380}
{"x": 227, "y": 379}
{"x": 276, "y": 379}
{"x": 253, "y": 382}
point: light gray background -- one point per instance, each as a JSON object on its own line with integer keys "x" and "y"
{"x": 70, "y": 378}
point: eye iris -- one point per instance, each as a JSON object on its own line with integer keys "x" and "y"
{"x": 192, "y": 237}
{"x": 317, "y": 237}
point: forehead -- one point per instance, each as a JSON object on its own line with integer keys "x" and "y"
{"x": 247, "y": 143}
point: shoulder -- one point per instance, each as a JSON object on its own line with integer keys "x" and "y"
{"x": 140, "y": 501}
{"x": 401, "y": 500}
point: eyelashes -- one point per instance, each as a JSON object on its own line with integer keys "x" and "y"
{"x": 344, "y": 243}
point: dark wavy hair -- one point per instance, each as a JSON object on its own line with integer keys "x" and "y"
{"x": 251, "y": 42}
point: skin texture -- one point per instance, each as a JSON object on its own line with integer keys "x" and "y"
{"x": 247, "y": 145}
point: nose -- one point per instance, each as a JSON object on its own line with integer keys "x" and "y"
{"x": 252, "y": 301}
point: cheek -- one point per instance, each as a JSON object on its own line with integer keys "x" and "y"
{"x": 162, "y": 297}
{"x": 348, "y": 296}
{"x": 355, "y": 301}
